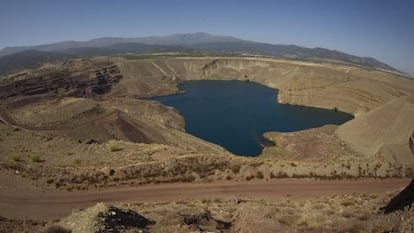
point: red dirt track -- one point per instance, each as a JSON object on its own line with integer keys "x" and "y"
{"x": 31, "y": 204}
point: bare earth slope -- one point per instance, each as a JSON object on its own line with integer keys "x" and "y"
{"x": 387, "y": 129}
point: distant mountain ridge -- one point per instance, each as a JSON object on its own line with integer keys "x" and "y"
{"x": 175, "y": 39}
{"x": 13, "y": 59}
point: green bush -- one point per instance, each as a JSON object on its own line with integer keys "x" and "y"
{"x": 236, "y": 169}
{"x": 114, "y": 148}
{"x": 77, "y": 162}
{"x": 35, "y": 158}
{"x": 16, "y": 158}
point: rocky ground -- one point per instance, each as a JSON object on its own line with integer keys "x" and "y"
{"x": 338, "y": 213}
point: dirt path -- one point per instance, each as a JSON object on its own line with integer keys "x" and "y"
{"x": 8, "y": 119}
{"x": 5, "y": 116}
{"x": 31, "y": 204}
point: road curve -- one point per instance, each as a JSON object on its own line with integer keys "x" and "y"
{"x": 51, "y": 205}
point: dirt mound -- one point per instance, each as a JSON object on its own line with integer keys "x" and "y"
{"x": 383, "y": 132}
{"x": 103, "y": 218}
{"x": 312, "y": 144}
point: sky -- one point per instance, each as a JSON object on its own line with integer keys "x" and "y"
{"x": 383, "y": 29}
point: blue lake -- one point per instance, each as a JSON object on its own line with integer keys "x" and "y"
{"x": 235, "y": 114}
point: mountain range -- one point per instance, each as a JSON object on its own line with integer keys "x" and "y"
{"x": 14, "y": 59}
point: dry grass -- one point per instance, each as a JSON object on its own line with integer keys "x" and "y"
{"x": 289, "y": 220}
{"x": 56, "y": 229}
{"x": 77, "y": 162}
{"x": 348, "y": 213}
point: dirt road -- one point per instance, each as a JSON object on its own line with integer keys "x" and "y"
{"x": 30, "y": 204}
{"x": 8, "y": 119}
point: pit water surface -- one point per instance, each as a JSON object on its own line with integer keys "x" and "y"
{"x": 235, "y": 114}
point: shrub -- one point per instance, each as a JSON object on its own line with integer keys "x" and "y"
{"x": 260, "y": 175}
{"x": 347, "y": 203}
{"x": 249, "y": 177}
{"x": 77, "y": 162}
{"x": 114, "y": 148}
{"x": 288, "y": 219}
{"x": 35, "y": 158}
{"x": 16, "y": 158}
{"x": 236, "y": 169}
{"x": 189, "y": 178}
{"x": 56, "y": 229}
{"x": 283, "y": 174}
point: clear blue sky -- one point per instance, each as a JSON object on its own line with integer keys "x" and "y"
{"x": 383, "y": 29}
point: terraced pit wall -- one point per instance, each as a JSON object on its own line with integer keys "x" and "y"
{"x": 345, "y": 88}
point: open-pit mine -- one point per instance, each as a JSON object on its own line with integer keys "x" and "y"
{"x": 87, "y": 130}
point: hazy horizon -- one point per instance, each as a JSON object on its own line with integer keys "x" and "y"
{"x": 378, "y": 29}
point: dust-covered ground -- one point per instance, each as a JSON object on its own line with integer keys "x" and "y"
{"x": 333, "y": 213}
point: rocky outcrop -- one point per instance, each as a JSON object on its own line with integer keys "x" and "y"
{"x": 404, "y": 199}
{"x": 63, "y": 81}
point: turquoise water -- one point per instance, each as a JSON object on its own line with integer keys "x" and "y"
{"x": 235, "y": 114}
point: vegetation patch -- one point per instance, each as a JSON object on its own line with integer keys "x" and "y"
{"x": 77, "y": 162}
{"x": 16, "y": 158}
{"x": 114, "y": 147}
{"x": 35, "y": 158}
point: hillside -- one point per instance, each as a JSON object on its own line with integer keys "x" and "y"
{"x": 383, "y": 132}
{"x": 194, "y": 43}
{"x": 175, "y": 39}
{"x": 30, "y": 59}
